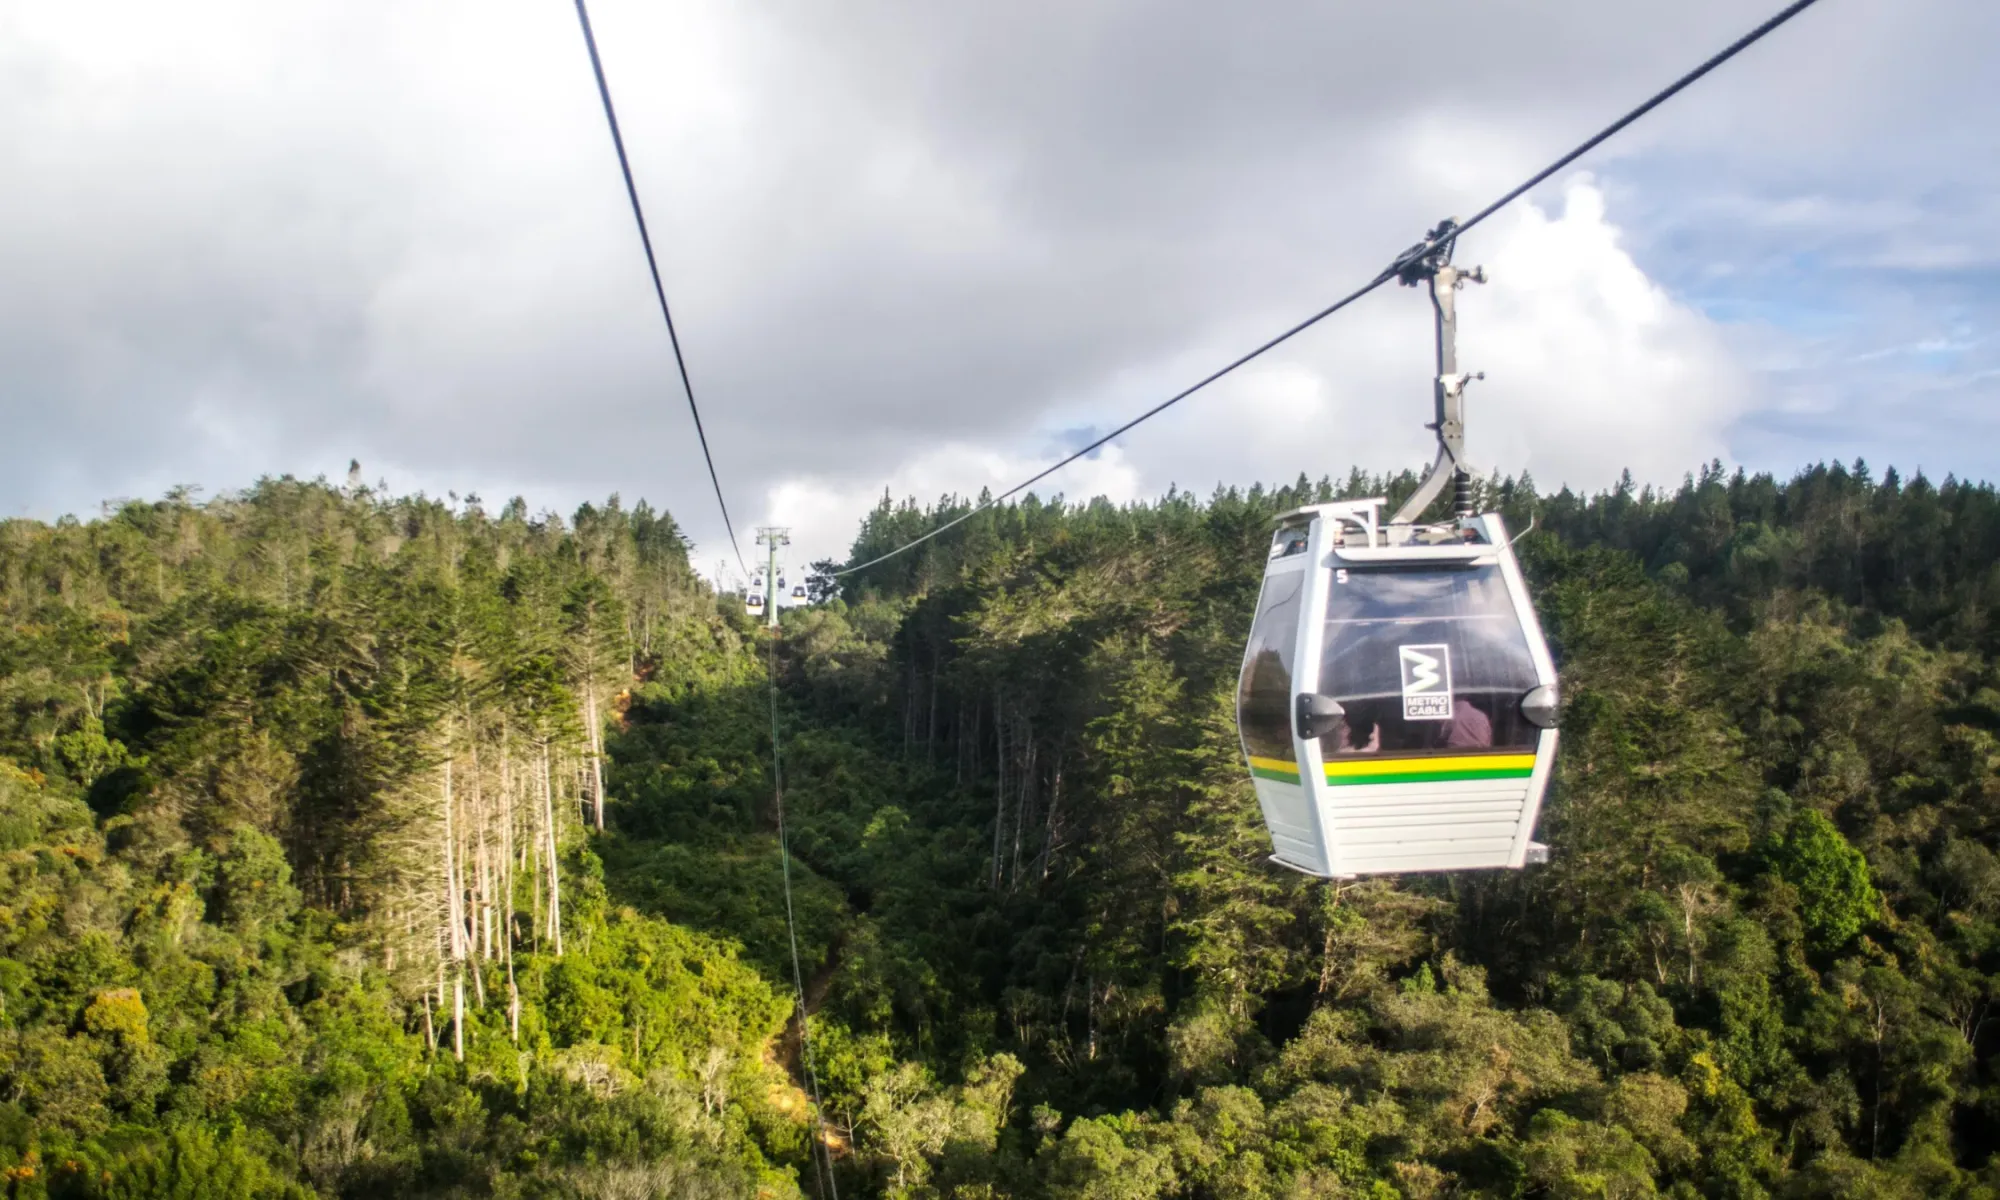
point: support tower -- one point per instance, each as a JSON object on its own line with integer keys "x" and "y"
{"x": 771, "y": 537}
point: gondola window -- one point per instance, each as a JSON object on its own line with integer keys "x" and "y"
{"x": 1425, "y": 662}
{"x": 1265, "y": 692}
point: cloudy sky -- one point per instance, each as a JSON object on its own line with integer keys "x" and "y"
{"x": 929, "y": 246}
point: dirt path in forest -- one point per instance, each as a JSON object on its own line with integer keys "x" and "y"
{"x": 788, "y": 1093}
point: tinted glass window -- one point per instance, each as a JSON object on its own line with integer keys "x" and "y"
{"x": 1290, "y": 540}
{"x": 1425, "y": 661}
{"x": 1264, "y": 694}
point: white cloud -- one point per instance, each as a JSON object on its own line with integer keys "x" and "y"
{"x": 239, "y": 238}
{"x": 1592, "y": 368}
{"x": 824, "y": 516}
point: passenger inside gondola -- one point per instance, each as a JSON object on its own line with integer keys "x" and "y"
{"x": 1470, "y": 728}
{"x": 1349, "y": 737}
{"x": 1425, "y": 662}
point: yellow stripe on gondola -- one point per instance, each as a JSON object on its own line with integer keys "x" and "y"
{"x": 1482, "y": 763}
{"x": 1277, "y": 769}
{"x": 1456, "y": 768}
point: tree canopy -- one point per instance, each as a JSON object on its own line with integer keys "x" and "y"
{"x": 353, "y": 844}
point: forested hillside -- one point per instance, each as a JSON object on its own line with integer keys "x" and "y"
{"x": 353, "y": 845}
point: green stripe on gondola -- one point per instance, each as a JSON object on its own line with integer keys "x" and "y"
{"x": 1454, "y": 768}
{"x": 1274, "y": 769}
{"x": 1434, "y": 768}
{"x": 1418, "y": 775}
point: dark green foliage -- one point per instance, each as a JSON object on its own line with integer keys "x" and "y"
{"x": 189, "y": 1163}
{"x": 1042, "y": 948}
{"x": 223, "y": 730}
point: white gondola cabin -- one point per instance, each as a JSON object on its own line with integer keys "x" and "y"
{"x": 1397, "y": 702}
{"x": 754, "y": 604}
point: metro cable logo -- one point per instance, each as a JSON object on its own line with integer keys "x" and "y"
{"x": 1426, "y": 682}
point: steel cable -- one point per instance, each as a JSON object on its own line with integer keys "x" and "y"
{"x": 792, "y": 932}
{"x": 1446, "y": 233}
{"x": 653, "y": 266}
